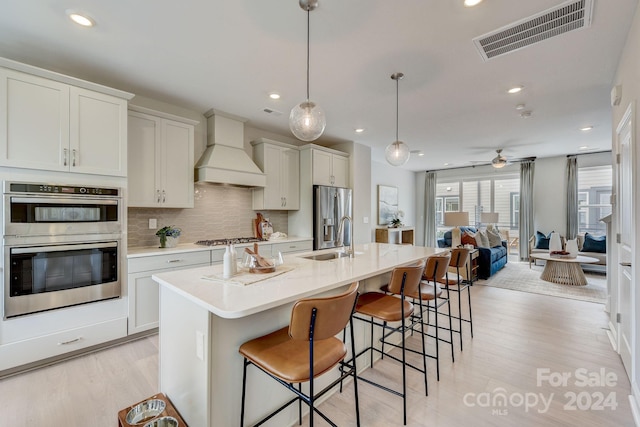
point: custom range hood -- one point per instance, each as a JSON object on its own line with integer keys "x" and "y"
{"x": 224, "y": 161}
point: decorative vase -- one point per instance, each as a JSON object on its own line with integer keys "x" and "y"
{"x": 168, "y": 241}
{"x": 554, "y": 243}
{"x": 572, "y": 247}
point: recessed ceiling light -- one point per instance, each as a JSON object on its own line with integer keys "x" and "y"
{"x": 471, "y": 3}
{"x": 359, "y": 130}
{"x": 586, "y": 128}
{"x": 515, "y": 89}
{"x": 81, "y": 18}
{"x": 520, "y": 107}
{"x": 584, "y": 147}
{"x": 447, "y": 164}
{"x": 274, "y": 95}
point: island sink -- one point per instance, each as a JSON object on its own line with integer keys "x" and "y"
{"x": 326, "y": 256}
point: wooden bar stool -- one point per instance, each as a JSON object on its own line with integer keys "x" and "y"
{"x": 456, "y": 283}
{"x": 306, "y": 349}
{"x": 429, "y": 297}
{"x": 372, "y": 306}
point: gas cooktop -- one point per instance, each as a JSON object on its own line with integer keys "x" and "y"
{"x": 233, "y": 240}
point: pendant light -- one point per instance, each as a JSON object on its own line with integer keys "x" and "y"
{"x": 307, "y": 120}
{"x": 397, "y": 153}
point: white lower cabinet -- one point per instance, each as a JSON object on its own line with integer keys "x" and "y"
{"x": 143, "y": 290}
{"x": 57, "y": 344}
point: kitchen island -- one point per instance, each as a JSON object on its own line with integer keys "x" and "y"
{"x": 203, "y": 321}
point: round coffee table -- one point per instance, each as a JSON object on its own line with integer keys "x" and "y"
{"x": 565, "y": 271}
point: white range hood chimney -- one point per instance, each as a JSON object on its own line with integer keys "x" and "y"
{"x": 224, "y": 161}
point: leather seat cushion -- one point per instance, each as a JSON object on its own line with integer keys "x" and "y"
{"x": 427, "y": 292}
{"x": 288, "y": 359}
{"x": 384, "y": 307}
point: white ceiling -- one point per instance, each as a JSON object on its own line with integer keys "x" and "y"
{"x": 230, "y": 55}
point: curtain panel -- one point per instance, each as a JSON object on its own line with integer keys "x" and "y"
{"x": 572, "y": 197}
{"x": 527, "y": 168}
{"x": 430, "y": 209}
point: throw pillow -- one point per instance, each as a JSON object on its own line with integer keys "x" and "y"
{"x": 542, "y": 241}
{"x": 482, "y": 240}
{"x": 494, "y": 238}
{"x": 468, "y": 238}
{"x": 594, "y": 244}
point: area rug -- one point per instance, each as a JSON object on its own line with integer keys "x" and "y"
{"x": 519, "y": 277}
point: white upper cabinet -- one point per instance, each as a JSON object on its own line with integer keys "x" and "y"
{"x": 281, "y": 164}
{"x": 161, "y": 159}
{"x": 98, "y": 134}
{"x": 330, "y": 168}
{"x": 50, "y": 125}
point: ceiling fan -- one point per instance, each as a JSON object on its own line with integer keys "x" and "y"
{"x": 499, "y": 161}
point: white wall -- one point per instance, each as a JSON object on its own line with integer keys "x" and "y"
{"x": 385, "y": 174}
{"x": 627, "y": 76}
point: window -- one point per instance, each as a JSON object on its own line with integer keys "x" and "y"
{"x": 515, "y": 211}
{"x": 594, "y": 193}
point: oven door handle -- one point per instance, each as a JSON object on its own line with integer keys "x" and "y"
{"x": 58, "y": 200}
{"x": 59, "y": 248}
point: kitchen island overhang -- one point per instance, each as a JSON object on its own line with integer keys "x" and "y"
{"x": 203, "y": 323}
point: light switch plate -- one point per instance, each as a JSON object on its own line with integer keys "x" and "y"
{"x": 365, "y": 220}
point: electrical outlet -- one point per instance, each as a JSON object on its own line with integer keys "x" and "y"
{"x": 153, "y": 223}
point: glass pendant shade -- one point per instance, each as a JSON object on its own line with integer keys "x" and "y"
{"x": 498, "y": 165}
{"x": 307, "y": 121}
{"x": 397, "y": 153}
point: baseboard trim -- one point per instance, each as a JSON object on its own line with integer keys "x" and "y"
{"x": 634, "y": 401}
{"x": 611, "y": 333}
{"x": 71, "y": 355}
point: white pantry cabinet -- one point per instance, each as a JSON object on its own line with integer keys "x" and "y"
{"x": 330, "y": 168}
{"x": 281, "y": 163}
{"x": 47, "y": 124}
{"x": 161, "y": 159}
{"x": 143, "y": 290}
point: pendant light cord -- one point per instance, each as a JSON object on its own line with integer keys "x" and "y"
{"x": 397, "y": 107}
{"x": 308, "y": 33}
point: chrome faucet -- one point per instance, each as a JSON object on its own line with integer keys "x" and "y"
{"x": 349, "y": 252}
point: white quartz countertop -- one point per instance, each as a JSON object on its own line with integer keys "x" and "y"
{"x": 306, "y": 278}
{"x": 142, "y": 251}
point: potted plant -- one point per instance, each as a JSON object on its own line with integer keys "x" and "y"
{"x": 168, "y": 236}
{"x": 396, "y": 221}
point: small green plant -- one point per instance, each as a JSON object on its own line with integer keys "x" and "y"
{"x": 167, "y": 231}
{"x": 396, "y": 221}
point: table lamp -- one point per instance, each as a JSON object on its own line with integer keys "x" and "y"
{"x": 456, "y": 219}
{"x": 489, "y": 218}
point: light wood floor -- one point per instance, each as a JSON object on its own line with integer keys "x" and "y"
{"x": 516, "y": 334}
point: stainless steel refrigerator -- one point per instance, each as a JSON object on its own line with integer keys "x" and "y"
{"x": 330, "y": 206}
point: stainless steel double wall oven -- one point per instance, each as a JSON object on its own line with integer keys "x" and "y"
{"x": 62, "y": 246}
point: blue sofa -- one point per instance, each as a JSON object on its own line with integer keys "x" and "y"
{"x": 490, "y": 260}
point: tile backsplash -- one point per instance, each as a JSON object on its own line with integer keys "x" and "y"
{"x": 219, "y": 212}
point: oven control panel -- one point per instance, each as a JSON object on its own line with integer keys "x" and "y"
{"x": 21, "y": 187}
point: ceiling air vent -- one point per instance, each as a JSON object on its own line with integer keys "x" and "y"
{"x": 566, "y": 17}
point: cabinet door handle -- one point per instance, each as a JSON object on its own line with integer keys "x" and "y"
{"x": 164, "y": 196}
{"x": 64, "y": 157}
{"x": 158, "y": 194}
{"x": 70, "y": 341}
{"x": 74, "y": 157}
{"x": 285, "y": 201}
{"x": 174, "y": 260}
